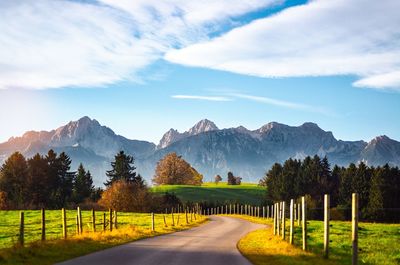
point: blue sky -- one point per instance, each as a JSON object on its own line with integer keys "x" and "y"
{"x": 236, "y": 64}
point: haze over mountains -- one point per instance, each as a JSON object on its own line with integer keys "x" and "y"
{"x": 248, "y": 153}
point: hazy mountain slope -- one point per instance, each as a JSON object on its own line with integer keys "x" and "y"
{"x": 248, "y": 153}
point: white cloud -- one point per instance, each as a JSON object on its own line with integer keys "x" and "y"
{"x": 51, "y": 44}
{"x": 284, "y": 104}
{"x": 321, "y": 38}
{"x": 207, "y": 98}
{"x": 272, "y": 101}
{"x": 259, "y": 99}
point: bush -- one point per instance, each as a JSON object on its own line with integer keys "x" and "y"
{"x": 125, "y": 196}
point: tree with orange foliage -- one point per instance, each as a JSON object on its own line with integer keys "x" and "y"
{"x": 173, "y": 169}
{"x": 122, "y": 195}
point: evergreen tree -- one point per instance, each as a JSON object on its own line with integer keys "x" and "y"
{"x": 83, "y": 185}
{"x": 273, "y": 180}
{"x": 13, "y": 180}
{"x": 39, "y": 195}
{"x": 375, "y": 200}
{"x": 345, "y": 188}
{"x": 123, "y": 169}
{"x": 360, "y": 184}
{"x": 52, "y": 179}
{"x": 65, "y": 180}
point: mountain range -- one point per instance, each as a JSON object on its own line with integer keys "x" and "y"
{"x": 247, "y": 153}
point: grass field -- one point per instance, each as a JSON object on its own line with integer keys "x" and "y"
{"x": 378, "y": 244}
{"x": 246, "y": 193}
{"x": 131, "y": 226}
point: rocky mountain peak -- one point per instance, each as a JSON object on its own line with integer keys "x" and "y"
{"x": 269, "y": 126}
{"x": 169, "y": 137}
{"x": 203, "y": 126}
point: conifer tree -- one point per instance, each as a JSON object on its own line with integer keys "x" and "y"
{"x": 123, "y": 169}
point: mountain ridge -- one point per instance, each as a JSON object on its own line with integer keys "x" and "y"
{"x": 248, "y": 153}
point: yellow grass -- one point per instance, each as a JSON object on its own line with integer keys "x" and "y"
{"x": 59, "y": 250}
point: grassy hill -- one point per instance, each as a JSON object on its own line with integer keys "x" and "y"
{"x": 246, "y": 193}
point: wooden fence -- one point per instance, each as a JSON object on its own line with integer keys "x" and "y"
{"x": 297, "y": 212}
{"x": 108, "y": 222}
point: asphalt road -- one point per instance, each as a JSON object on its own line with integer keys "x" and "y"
{"x": 211, "y": 243}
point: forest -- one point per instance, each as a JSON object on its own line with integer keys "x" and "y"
{"x": 378, "y": 187}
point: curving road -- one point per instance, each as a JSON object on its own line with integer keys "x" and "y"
{"x": 211, "y": 243}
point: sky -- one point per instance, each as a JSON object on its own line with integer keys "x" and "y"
{"x": 143, "y": 67}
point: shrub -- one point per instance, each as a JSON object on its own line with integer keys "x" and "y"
{"x": 125, "y": 196}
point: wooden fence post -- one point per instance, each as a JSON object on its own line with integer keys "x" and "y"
{"x": 80, "y": 220}
{"x": 326, "y": 224}
{"x": 21, "y": 229}
{"x": 298, "y": 214}
{"x": 43, "y": 224}
{"x": 64, "y": 223}
{"x": 77, "y": 224}
{"x": 152, "y": 222}
{"x": 278, "y": 224}
{"x": 267, "y": 211}
{"x": 304, "y": 221}
{"x": 115, "y": 219}
{"x": 165, "y": 222}
{"x": 274, "y": 218}
{"x": 283, "y": 221}
{"x": 291, "y": 234}
{"x": 354, "y": 228}
{"x": 172, "y": 217}
{"x": 94, "y": 221}
{"x": 104, "y": 222}
{"x": 177, "y": 220}
{"x": 110, "y": 216}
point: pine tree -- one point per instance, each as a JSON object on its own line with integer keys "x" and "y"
{"x": 83, "y": 185}
{"x": 37, "y": 181}
{"x": 13, "y": 180}
{"x": 65, "y": 180}
{"x": 375, "y": 200}
{"x": 123, "y": 169}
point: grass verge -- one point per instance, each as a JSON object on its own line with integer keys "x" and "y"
{"x": 378, "y": 244}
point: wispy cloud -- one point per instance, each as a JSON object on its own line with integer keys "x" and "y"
{"x": 320, "y": 38}
{"x": 207, "y": 98}
{"x": 284, "y": 104}
{"x": 52, "y": 44}
{"x": 272, "y": 101}
{"x": 259, "y": 99}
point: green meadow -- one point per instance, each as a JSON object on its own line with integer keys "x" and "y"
{"x": 246, "y": 193}
{"x": 378, "y": 244}
{"x": 9, "y": 224}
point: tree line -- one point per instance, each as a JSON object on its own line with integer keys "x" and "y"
{"x": 44, "y": 181}
{"x": 378, "y": 187}
{"x": 48, "y": 182}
